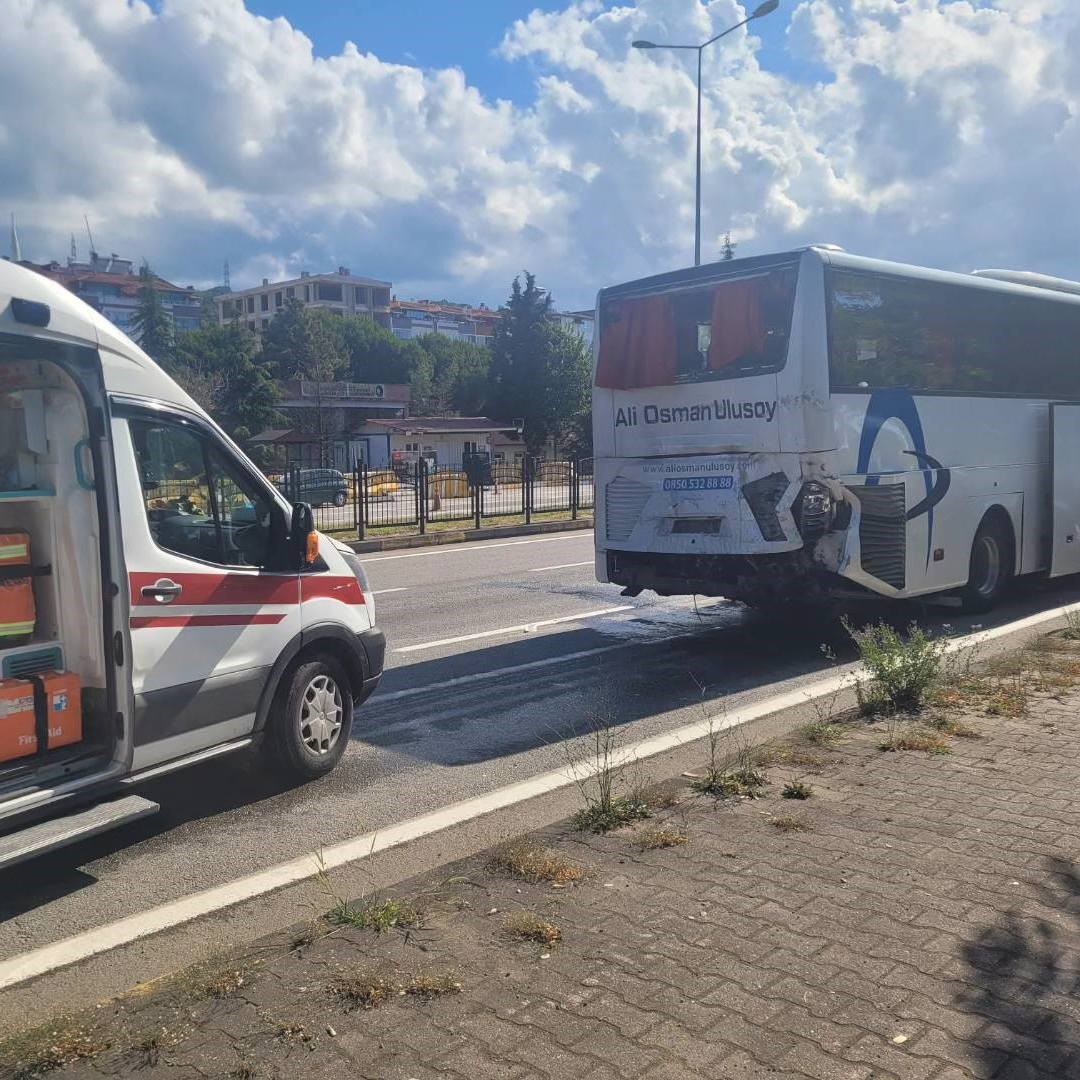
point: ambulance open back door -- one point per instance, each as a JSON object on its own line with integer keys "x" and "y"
{"x": 1065, "y": 489}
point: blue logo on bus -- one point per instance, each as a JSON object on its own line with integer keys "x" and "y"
{"x": 899, "y": 405}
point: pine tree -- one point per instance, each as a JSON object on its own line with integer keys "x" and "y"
{"x": 519, "y": 355}
{"x": 152, "y": 324}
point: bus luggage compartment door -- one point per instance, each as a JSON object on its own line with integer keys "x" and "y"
{"x": 1065, "y": 489}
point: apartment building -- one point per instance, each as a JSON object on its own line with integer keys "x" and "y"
{"x": 415, "y": 318}
{"x": 581, "y": 322}
{"x": 111, "y": 285}
{"x": 342, "y": 292}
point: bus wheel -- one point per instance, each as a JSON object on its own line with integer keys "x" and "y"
{"x": 990, "y": 569}
{"x": 311, "y": 718}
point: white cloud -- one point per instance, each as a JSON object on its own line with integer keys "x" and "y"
{"x": 942, "y": 131}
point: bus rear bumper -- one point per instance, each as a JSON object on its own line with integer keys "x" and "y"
{"x": 752, "y": 578}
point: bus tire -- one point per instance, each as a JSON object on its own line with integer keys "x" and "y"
{"x": 310, "y": 721}
{"x": 991, "y": 565}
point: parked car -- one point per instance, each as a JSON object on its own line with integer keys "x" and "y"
{"x": 318, "y": 487}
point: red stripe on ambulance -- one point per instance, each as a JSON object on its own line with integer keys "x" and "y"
{"x": 142, "y": 622}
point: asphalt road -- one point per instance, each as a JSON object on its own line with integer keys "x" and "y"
{"x": 501, "y": 655}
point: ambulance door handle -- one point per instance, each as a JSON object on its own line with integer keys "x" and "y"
{"x": 163, "y": 591}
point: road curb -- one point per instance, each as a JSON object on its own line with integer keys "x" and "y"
{"x": 461, "y": 536}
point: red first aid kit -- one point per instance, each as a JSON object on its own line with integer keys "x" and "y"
{"x": 40, "y": 713}
{"x": 17, "y": 612}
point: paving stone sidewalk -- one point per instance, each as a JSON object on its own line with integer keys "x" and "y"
{"x": 924, "y": 925}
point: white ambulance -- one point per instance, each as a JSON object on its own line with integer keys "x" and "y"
{"x": 161, "y": 603}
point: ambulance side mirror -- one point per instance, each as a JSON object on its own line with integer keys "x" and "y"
{"x": 303, "y": 539}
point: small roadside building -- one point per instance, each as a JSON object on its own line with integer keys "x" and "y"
{"x": 441, "y": 440}
{"x": 340, "y": 425}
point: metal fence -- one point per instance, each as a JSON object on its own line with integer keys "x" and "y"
{"x": 418, "y": 494}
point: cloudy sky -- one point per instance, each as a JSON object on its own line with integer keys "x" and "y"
{"x": 449, "y": 144}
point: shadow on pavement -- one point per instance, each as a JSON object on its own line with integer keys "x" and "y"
{"x": 1025, "y": 973}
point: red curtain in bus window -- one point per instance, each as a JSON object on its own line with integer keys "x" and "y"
{"x": 637, "y": 344}
{"x": 738, "y": 328}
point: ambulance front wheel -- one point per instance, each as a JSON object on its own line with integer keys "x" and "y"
{"x": 311, "y": 718}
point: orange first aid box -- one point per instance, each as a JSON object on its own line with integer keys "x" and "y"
{"x": 63, "y": 707}
{"x": 17, "y": 612}
{"x": 18, "y": 720}
{"x": 60, "y": 694}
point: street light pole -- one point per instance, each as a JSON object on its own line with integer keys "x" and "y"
{"x": 763, "y": 9}
{"x": 697, "y": 170}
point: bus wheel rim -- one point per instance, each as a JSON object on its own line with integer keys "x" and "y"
{"x": 988, "y": 563}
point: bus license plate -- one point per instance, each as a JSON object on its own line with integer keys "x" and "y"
{"x": 699, "y": 483}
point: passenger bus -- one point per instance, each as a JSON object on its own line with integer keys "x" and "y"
{"x": 814, "y": 423}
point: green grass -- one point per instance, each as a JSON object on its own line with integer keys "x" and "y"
{"x": 377, "y": 915}
{"x": 746, "y": 782}
{"x": 603, "y": 816}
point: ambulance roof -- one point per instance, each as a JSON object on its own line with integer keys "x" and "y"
{"x": 127, "y": 369}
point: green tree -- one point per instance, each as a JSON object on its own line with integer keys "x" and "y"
{"x": 307, "y": 344}
{"x": 458, "y": 372}
{"x": 567, "y": 416}
{"x": 218, "y": 366}
{"x": 542, "y": 372}
{"x": 304, "y": 343}
{"x": 519, "y": 356}
{"x": 373, "y": 353}
{"x": 152, "y": 324}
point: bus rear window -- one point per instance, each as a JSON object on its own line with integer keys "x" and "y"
{"x": 737, "y": 328}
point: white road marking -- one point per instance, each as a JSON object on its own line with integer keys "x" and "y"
{"x": 531, "y": 665}
{"x": 383, "y": 592}
{"x": 458, "y": 549}
{"x": 561, "y": 566}
{"x": 521, "y": 628}
{"x": 101, "y": 939}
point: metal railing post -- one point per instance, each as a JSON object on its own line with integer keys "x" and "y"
{"x": 478, "y": 494}
{"x": 527, "y": 483}
{"x": 421, "y": 478}
{"x": 574, "y": 493}
{"x": 358, "y": 495}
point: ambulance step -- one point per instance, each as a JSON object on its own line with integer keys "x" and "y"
{"x": 59, "y": 832}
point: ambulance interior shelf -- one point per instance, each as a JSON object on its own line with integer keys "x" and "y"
{"x": 51, "y": 644}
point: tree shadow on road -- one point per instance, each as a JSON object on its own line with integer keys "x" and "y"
{"x": 1025, "y": 979}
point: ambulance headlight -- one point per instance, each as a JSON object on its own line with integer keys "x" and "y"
{"x": 354, "y": 564}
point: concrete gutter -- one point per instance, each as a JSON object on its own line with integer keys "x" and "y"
{"x": 459, "y": 536}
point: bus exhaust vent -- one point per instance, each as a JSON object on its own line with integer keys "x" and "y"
{"x": 883, "y": 532}
{"x": 623, "y": 502}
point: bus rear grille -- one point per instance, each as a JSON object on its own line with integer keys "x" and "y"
{"x": 883, "y": 532}
{"x": 623, "y": 502}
